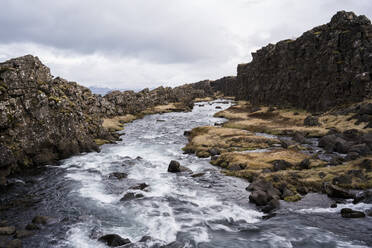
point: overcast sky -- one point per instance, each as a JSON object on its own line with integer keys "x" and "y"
{"x": 134, "y": 44}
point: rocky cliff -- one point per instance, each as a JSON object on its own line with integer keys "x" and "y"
{"x": 45, "y": 119}
{"x": 327, "y": 66}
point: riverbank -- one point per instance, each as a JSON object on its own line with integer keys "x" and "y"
{"x": 290, "y": 151}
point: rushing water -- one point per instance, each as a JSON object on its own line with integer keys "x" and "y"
{"x": 207, "y": 211}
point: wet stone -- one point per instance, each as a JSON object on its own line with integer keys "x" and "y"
{"x": 140, "y": 186}
{"x": 349, "y": 213}
{"x": 114, "y": 240}
{"x": 7, "y": 230}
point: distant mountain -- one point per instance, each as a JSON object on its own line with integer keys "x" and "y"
{"x": 103, "y": 90}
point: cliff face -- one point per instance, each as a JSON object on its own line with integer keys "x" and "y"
{"x": 327, "y": 66}
{"x": 44, "y": 119}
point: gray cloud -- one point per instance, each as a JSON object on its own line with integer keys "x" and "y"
{"x": 145, "y": 43}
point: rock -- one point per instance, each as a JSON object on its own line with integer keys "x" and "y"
{"x": 235, "y": 167}
{"x": 337, "y": 160}
{"x": 174, "y": 167}
{"x": 369, "y": 212}
{"x": 366, "y": 164}
{"x": 23, "y": 234}
{"x": 263, "y": 193}
{"x": 286, "y": 193}
{"x": 349, "y": 213}
{"x": 15, "y": 243}
{"x": 203, "y": 154}
{"x": 311, "y": 121}
{"x": 174, "y": 244}
{"x": 218, "y": 107}
{"x": 365, "y": 197}
{"x": 44, "y": 220}
{"x": 352, "y": 156}
{"x": 311, "y": 72}
{"x": 187, "y": 133}
{"x": 113, "y": 240}
{"x": 299, "y": 137}
{"x": 214, "y": 152}
{"x": 281, "y": 165}
{"x": 3, "y": 223}
{"x": 343, "y": 180}
{"x": 7, "y": 230}
{"x": 259, "y": 197}
{"x": 341, "y": 146}
{"x": 6, "y": 157}
{"x": 140, "y": 186}
{"x": 45, "y": 118}
{"x": 271, "y": 206}
{"x": 361, "y": 149}
{"x": 198, "y": 174}
{"x": 328, "y": 142}
{"x": 336, "y": 192}
{"x": 321, "y": 174}
{"x": 118, "y": 175}
{"x": 32, "y": 226}
{"x": 334, "y": 205}
{"x": 287, "y": 143}
{"x": 305, "y": 164}
{"x": 268, "y": 216}
{"x": 145, "y": 239}
{"x": 131, "y": 196}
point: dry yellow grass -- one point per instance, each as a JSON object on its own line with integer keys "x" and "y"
{"x": 260, "y": 160}
{"x": 282, "y": 121}
{"x": 205, "y": 99}
{"x": 226, "y": 139}
{"x": 117, "y": 123}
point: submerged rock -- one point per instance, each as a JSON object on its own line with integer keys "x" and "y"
{"x": 113, "y": 240}
{"x": 140, "y": 186}
{"x": 7, "y": 230}
{"x": 130, "y": 196}
{"x": 349, "y": 213}
{"x": 118, "y": 175}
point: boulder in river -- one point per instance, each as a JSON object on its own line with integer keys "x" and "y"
{"x": 175, "y": 167}
{"x": 264, "y": 194}
{"x": 113, "y": 240}
{"x": 349, "y": 213}
{"x": 7, "y": 230}
{"x": 130, "y": 196}
{"x": 32, "y": 226}
{"x": 23, "y": 234}
{"x": 118, "y": 175}
{"x": 44, "y": 220}
{"x": 336, "y": 192}
{"x": 140, "y": 186}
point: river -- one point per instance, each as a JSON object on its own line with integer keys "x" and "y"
{"x": 211, "y": 210}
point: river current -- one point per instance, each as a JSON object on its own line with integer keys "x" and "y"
{"x": 211, "y": 210}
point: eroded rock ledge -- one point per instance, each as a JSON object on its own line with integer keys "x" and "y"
{"x": 327, "y": 66}
{"x": 44, "y": 119}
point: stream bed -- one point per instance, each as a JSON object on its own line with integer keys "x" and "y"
{"x": 84, "y": 197}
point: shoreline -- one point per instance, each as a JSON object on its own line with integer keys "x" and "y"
{"x": 284, "y": 158}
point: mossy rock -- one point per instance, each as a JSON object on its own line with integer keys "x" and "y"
{"x": 203, "y": 154}
{"x": 292, "y": 198}
{"x": 100, "y": 142}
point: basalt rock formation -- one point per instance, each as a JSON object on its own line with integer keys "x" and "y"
{"x": 45, "y": 119}
{"x": 328, "y": 66}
